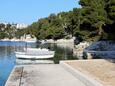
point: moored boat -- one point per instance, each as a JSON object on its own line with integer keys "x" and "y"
{"x": 34, "y": 53}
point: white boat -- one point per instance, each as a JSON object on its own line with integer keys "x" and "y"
{"x": 34, "y": 53}
{"x": 35, "y": 49}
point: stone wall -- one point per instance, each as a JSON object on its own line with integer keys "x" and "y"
{"x": 78, "y": 49}
{"x": 61, "y": 41}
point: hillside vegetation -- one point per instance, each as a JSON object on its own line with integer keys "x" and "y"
{"x": 94, "y": 21}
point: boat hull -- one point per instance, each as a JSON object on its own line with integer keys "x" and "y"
{"x": 33, "y": 53}
{"x": 22, "y": 56}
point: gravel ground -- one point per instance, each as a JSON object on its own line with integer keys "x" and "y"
{"x": 100, "y": 70}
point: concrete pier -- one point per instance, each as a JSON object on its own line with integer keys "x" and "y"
{"x": 42, "y": 75}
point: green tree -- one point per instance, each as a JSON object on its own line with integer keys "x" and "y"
{"x": 94, "y": 14}
{"x": 110, "y": 8}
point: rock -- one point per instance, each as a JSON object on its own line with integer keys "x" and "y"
{"x": 78, "y": 50}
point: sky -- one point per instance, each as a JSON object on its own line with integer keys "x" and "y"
{"x": 28, "y": 11}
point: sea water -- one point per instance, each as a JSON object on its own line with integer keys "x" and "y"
{"x": 7, "y": 58}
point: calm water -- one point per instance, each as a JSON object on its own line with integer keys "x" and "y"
{"x": 7, "y": 56}
{"x": 61, "y": 53}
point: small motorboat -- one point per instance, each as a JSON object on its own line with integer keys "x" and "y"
{"x": 34, "y": 53}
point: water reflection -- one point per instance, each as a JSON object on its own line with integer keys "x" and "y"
{"x": 7, "y": 58}
{"x": 7, "y": 61}
{"x": 61, "y": 53}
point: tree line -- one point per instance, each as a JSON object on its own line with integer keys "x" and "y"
{"x": 10, "y": 31}
{"x": 94, "y": 21}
